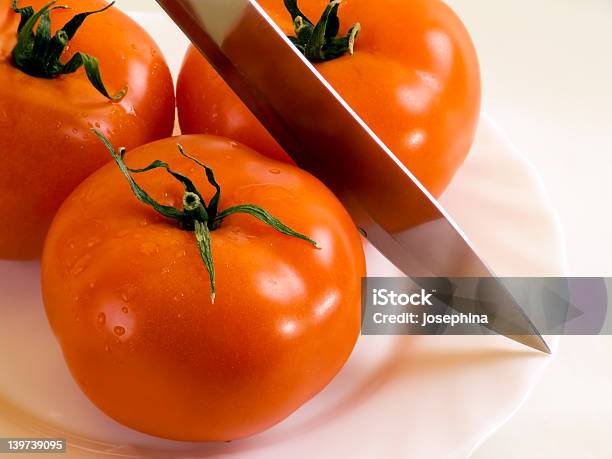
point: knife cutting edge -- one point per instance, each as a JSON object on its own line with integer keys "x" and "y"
{"x": 386, "y": 201}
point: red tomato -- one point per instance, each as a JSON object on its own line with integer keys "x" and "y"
{"x": 207, "y": 105}
{"x": 414, "y": 78}
{"x": 45, "y": 137}
{"x": 128, "y": 296}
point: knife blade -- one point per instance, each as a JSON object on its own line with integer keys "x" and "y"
{"x": 324, "y": 136}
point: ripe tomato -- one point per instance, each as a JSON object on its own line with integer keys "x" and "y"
{"x": 45, "y": 137}
{"x": 207, "y": 105}
{"x": 414, "y": 78}
{"x": 127, "y": 294}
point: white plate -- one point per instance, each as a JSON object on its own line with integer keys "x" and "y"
{"x": 421, "y": 397}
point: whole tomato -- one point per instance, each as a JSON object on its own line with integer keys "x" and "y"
{"x": 102, "y": 70}
{"x": 413, "y": 76}
{"x": 127, "y": 289}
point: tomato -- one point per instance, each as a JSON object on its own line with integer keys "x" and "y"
{"x": 207, "y": 105}
{"x": 414, "y": 78}
{"x": 128, "y": 295}
{"x": 45, "y": 137}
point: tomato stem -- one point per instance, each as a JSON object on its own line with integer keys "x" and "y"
{"x": 193, "y": 206}
{"x": 320, "y": 42}
{"x": 38, "y": 54}
{"x": 196, "y": 215}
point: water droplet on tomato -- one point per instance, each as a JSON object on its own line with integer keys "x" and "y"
{"x": 101, "y": 318}
{"x": 275, "y": 171}
{"x": 149, "y": 248}
{"x": 79, "y": 266}
{"x": 94, "y": 241}
{"x": 124, "y": 310}
{"x": 119, "y": 330}
{"x": 179, "y": 297}
{"x": 168, "y": 200}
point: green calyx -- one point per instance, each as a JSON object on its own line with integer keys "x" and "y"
{"x": 320, "y": 42}
{"x": 38, "y": 54}
{"x": 196, "y": 215}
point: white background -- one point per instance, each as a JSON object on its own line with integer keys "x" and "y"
{"x": 547, "y": 68}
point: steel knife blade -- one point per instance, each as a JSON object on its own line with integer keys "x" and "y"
{"x": 325, "y": 136}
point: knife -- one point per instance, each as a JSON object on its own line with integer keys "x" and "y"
{"x": 324, "y": 136}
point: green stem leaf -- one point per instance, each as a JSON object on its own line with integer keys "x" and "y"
{"x": 295, "y": 12}
{"x": 320, "y": 42}
{"x": 143, "y": 196}
{"x": 38, "y": 54}
{"x": 265, "y": 217}
{"x": 25, "y": 13}
{"x": 202, "y": 234}
{"x": 24, "y": 49}
{"x": 213, "y": 205}
{"x": 72, "y": 26}
{"x": 92, "y": 70}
